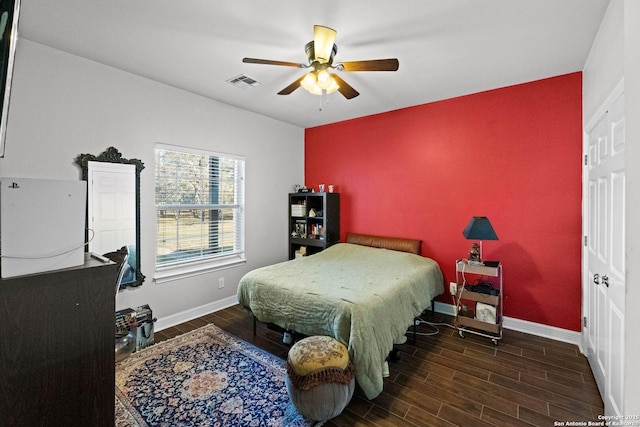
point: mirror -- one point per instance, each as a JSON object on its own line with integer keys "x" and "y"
{"x": 113, "y": 207}
{"x": 9, "y": 13}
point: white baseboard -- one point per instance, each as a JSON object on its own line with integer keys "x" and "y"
{"x": 445, "y": 308}
{"x": 185, "y": 316}
{"x": 538, "y": 329}
{"x": 525, "y": 326}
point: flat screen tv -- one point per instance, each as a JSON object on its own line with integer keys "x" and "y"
{"x": 9, "y": 13}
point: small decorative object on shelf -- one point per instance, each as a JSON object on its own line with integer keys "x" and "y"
{"x": 474, "y": 253}
{"x": 300, "y": 230}
{"x": 298, "y": 188}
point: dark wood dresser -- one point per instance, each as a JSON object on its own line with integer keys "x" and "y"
{"x": 57, "y": 358}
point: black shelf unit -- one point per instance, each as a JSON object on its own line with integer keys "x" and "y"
{"x": 314, "y": 222}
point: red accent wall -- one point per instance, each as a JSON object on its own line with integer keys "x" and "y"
{"x": 511, "y": 154}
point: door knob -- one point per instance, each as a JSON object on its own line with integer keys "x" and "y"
{"x": 596, "y": 279}
{"x": 605, "y": 280}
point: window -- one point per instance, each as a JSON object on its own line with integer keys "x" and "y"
{"x": 200, "y": 211}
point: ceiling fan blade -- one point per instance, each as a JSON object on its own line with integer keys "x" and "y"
{"x": 323, "y": 39}
{"x": 344, "y": 88}
{"x": 270, "y": 62}
{"x": 390, "y": 64}
{"x": 293, "y": 86}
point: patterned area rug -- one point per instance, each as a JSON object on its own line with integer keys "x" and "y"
{"x": 206, "y": 377}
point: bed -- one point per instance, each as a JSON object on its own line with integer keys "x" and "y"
{"x": 364, "y": 292}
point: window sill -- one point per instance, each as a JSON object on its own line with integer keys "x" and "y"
{"x": 177, "y": 272}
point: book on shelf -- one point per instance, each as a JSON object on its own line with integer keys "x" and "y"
{"x": 317, "y": 231}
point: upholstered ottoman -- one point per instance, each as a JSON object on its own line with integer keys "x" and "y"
{"x": 320, "y": 379}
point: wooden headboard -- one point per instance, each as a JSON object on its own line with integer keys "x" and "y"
{"x": 393, "y": 243}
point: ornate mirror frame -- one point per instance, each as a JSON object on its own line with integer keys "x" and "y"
{"x": 112, "y": 155}
{"x": 9, "y": 15}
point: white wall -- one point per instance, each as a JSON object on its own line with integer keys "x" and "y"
{"x": 604, "y": 68}
{"x": 63, "y": 105}
{"x": 614, "y": 56}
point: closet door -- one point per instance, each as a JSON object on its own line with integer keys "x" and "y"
{"x": 605, "y": 259}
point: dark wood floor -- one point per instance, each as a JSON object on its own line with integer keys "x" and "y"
{"x": 445, "y": 380}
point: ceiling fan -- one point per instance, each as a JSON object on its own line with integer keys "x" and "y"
{"x": 320, "y": 53}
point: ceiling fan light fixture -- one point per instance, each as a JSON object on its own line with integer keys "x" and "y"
{"x": 312, "y": 84}
{"x": 324, "y": 79}
{"x": 309, "y": 81}
{"x": 323, "y": 38}
{"x": 312, "y": 57}
{"x": 333, "y": 85}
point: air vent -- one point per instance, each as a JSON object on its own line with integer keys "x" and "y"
{"x": 243, "y": 81}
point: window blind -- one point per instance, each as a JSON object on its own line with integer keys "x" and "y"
{"x": 199, "y": 205}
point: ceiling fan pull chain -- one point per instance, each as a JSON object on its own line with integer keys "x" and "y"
{"x": 324, "y": 98}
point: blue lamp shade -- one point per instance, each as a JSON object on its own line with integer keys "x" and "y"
{"x": 479, "y": 228}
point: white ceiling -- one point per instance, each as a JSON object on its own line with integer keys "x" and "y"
{"x": 446, "y": 48}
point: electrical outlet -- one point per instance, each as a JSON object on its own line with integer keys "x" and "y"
{"x": 453, "y": 288}
{"x": 221, "y": 283}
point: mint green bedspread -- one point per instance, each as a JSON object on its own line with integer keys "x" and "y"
{"x": 364, "y": 297}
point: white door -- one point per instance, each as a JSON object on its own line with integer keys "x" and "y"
{"x": 111, "y": 206}
{"x": 605, "y": 256}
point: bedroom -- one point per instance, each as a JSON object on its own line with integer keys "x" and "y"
{"x": 63, "y": 105}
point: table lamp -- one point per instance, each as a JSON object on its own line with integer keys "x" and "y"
{"x": 478, "y": 228}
